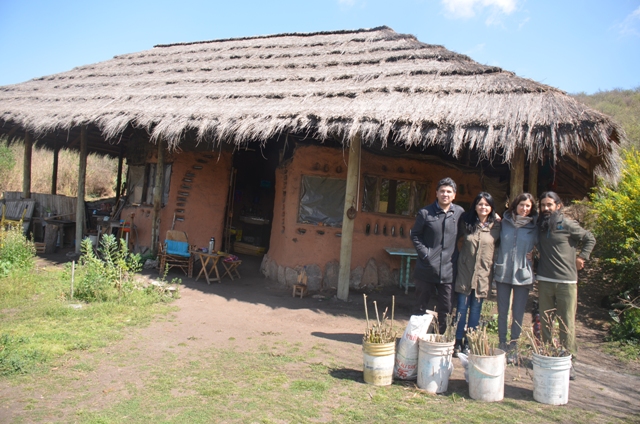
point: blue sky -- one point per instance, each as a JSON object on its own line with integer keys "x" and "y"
{"x": 575, "y": 45}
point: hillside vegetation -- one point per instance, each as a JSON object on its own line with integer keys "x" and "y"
{"x": 622, "y": 105}
{"x": 101, "y": 171}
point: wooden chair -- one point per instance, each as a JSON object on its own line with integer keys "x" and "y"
{"x": 300, "y": 288}
{"x": 174, "y": 252}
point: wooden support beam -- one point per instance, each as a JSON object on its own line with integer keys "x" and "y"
{"x": 119, "y": 177}
{"x": 54, "y": 172}
{"x": 533, "y": 179}
{"x": 157, "y": 197}
{"x": 82, "y": 174}
{"x": 26, "y": 168}
{"x": 517, "y": 173}
{"x": 346, "y": 241}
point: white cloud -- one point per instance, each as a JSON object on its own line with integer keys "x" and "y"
{"x": 631, "y": 24}
{"x": 468, "y": 8}
{"x": 523, "y": 23}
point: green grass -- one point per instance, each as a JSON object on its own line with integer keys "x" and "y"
{"x": 74, "y": 372}
{"x": 227, "y": 385}
{"x": 40, "y": 324}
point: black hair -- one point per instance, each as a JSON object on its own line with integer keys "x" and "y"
{"x": 470, "y": 218}
{"x": 521, "y": 198}
{"x": 447, "y": 182}
{"x": 551, "y": 195}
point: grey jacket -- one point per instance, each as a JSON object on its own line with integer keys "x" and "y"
{"x": 434, "y": 236}
{"x": 511, "y": 263}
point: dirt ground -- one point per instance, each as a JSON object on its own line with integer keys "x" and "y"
{"x": 239, "y": 312}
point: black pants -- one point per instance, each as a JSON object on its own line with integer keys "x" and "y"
{"x": 445, "y": 293}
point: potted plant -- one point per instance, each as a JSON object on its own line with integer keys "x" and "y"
{"x": 379, "y": 347}
{"x": 551, "y": 367}
{"x": 435, "y": 357}
{"x": 486, "y": 365}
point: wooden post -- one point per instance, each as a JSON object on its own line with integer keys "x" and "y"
{"x": 346, "y": 241}
{"x": 533, "y": 179}
{"x": 26, "y": 168}
{"x": 517, "y": 173}
{"x": 119, "y": 178}
{"x": 157, "y": 198}
{"x": 54, "y": 173}
{"x": 82, "y": 174}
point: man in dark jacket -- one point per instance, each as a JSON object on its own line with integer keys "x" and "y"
{"x": 434, "y": 236}
{"x": 558, "y": 268}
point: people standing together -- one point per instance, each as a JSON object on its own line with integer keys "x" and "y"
{"x": 460, "y": 255}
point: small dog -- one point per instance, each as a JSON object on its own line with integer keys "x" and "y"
{"x": 535, "y": 320}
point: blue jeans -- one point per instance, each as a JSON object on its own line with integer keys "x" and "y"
{"x": 474, "y": 306}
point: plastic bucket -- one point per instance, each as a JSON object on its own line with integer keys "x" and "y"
{"x": 379, "y": 359}
{"x": 434, "y": 365}
{"x": 486, "y": 376}
{"x": 551, "y": 379}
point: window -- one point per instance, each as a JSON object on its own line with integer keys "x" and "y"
{"x": 322, "y": 201}
{"x": 396, "y": 197}
{"x": 141, "y": 179}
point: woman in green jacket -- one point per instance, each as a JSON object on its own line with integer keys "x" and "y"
{"x": 480, "y": 233}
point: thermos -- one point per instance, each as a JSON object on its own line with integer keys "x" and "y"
{"x": 212, "y": 244}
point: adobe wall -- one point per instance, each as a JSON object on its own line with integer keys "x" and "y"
{"x": 205, "y": 203}
{"x": 294, "y": 245}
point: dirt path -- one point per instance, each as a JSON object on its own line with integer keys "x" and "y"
{"x": 252, "y": 311}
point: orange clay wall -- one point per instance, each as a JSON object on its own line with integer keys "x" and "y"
{"x": 204, "y": 208}
{"x": 294, "y": 245}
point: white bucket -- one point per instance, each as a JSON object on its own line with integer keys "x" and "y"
{"x": 434, "y": 365}
{"x": 551, "y": 379}
{"x": 379, "y": 359}
{"x": 486, "y": 376}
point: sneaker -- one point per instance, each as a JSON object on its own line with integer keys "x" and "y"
{"x": 466, "y": 350}
{"x": 572, "y": 373}
{"x": 512, "y": 357}
{"x": 503, "y": 347}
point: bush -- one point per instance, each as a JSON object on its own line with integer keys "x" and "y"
{"x": 615, "y": 217}
{"x": 16, "y": 251}
{"x": 627, "y": 326}
{"x": 108, "y": 275}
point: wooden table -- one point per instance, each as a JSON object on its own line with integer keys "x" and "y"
{"x": 209, "y": 262}
{"x": 406, "y": 255}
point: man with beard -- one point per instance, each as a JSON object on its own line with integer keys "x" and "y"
{"x": 558, "y": 268}
{"x": 434, "y": 236}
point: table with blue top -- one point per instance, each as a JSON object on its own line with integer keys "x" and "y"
{"x": 406, "y": 255}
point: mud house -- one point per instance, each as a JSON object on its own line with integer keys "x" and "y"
{"x": 312, "y": 149}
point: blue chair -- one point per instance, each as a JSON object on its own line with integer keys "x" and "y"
{"x": 175, "y": 253}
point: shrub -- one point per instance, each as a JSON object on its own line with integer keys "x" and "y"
{"x": 615, "y": 216}
{"x": 16, "y": 251}
{"x": 107, "y": 275}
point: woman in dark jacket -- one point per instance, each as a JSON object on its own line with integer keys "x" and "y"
{"x": 480, "y": 233}
{"x": 512, "y": 270}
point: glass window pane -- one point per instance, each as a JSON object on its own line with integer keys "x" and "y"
{"x": 403, "y": 195}
{"x": 384, "y": 195}
{"x": 370, "y": 193}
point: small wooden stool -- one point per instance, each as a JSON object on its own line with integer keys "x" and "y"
{"x": 301, "y": 286}
{"x": 300, "y": 289}
{"x": 231, "y": 268}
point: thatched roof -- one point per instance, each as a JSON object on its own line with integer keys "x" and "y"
{"x": 383, "y": 85}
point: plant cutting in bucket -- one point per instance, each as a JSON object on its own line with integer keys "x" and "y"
{"x": 486, "y": 368}
{"x": 434, "y": 359}
{"x": 551, "y": 368}
{"x": 379, "y": 347}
